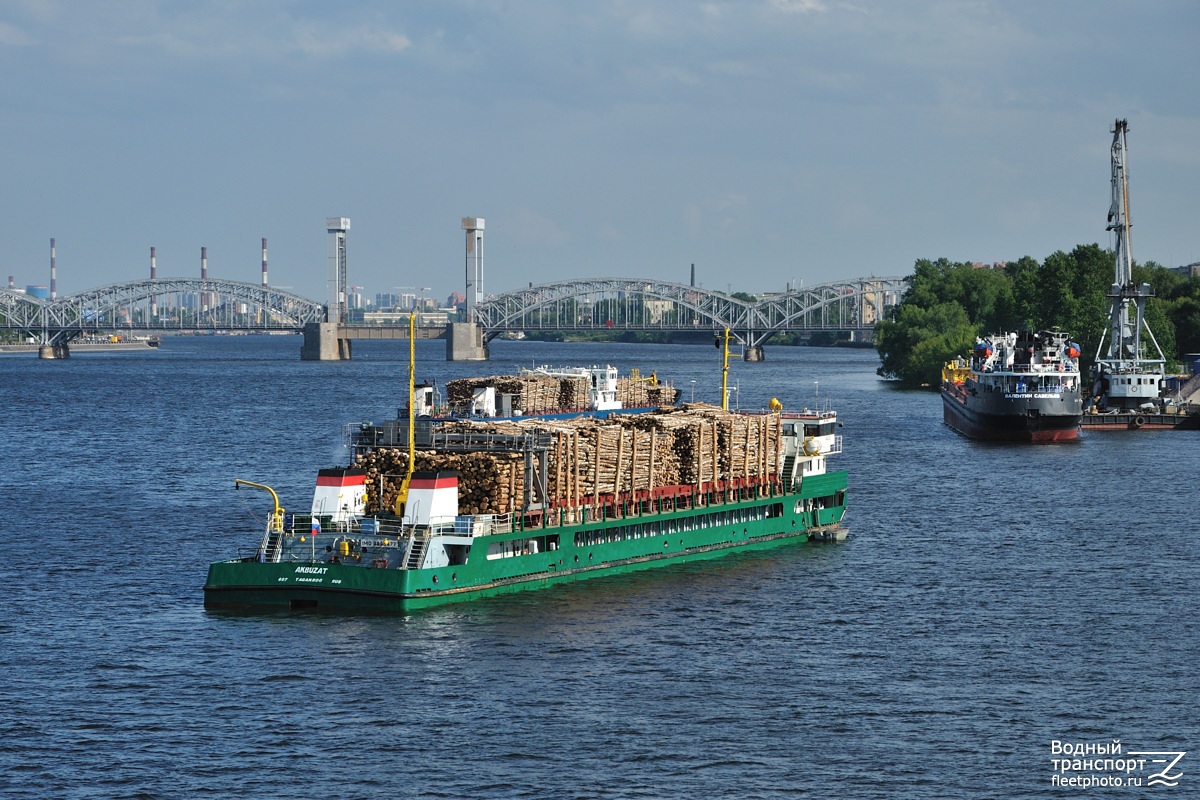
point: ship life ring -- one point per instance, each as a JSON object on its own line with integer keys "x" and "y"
{"x": 1133, "y": 387}
{"x": 1139, "y": 421}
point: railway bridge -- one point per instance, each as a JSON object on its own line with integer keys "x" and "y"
{"x": 633, "y": 304}
{"x": 159, "y": 305}
{"x": 581, "y": 305}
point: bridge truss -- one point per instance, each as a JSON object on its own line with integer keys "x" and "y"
{"x": 646, "y": 305}
{"x": 158, "y": 305}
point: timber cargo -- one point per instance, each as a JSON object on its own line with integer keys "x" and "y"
{"x": 586, "y": 458}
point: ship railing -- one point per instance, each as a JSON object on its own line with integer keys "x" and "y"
{"x": 824, "y": 411}
{"x": 1049, "y": 368}
{"x": 482, "y": 524}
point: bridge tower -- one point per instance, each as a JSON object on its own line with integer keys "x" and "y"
{"x": 337, "y": 227}
{"x": 464, "y": 342}
{"x": 204, "y": 298}
{"x": 474, "y": 228}
{"x": 153, "y": 278}
{"x": 326, "y": 341}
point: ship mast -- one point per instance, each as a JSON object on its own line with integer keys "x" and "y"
{"x": 1127, "y": 318}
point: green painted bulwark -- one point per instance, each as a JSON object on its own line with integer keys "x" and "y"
{"x": 539, "y": 557}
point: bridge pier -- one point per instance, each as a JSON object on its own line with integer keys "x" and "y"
{"x": 464, "y": 342}
{"x": 754, "y": 352}
{"x": 58, "y": 350}
{"x": 322, "y": 343}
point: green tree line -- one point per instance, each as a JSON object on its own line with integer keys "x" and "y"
{"x": 947, "y": 305}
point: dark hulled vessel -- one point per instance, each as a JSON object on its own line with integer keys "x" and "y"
{"x": 1016, "y": 387}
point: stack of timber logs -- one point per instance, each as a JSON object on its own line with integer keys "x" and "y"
{"x": 532, "y": 394}
{"x": 591, "y": 460}
{"x": 543, "y": 394}
{"x": 644, "y": 394}
{"x": 488, "y": 483}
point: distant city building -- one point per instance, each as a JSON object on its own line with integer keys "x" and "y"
{"x": 994, "y": 265}
{"x": 1189, "y": 271}
{"x": 40, "y": 292}
{"x": 656, "y": 308}
{"x": 456, "y": 300}
{"x": 400, "y": 317}
{"x": 386, "y": 300}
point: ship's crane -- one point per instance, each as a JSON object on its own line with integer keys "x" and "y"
{"x": 1127, "y": 374}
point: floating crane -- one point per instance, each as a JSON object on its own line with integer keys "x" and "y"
{"x": 1127, "y": 374}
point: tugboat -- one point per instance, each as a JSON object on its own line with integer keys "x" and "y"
{"x": 485, "y": 507}
{"x": 1017, "y": 387}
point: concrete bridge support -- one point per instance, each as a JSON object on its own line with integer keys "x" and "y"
{"x": 59, "y": 350}
{"x": 754, "y": 352}
{"x": 464, "y": 342}
{"x": 322, "y": 343}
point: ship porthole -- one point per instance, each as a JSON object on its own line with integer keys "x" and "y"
{"x": 453, "y": 577}
{"x": 576, "y": 559}
{"x": 435, "y": 578}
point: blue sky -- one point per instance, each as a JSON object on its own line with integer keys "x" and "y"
{"x": 766, "y": 141}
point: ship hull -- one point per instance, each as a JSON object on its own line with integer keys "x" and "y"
{"x": 1025, "y": 420}
{"x": 581, "y": 552}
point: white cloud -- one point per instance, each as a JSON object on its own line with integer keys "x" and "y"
{"x": 530, "y": 227}
{"x": 799, "y": 6}
{"x": 13, "y": 36}
{"x": 316, "y": 40}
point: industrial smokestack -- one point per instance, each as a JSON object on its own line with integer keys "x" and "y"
{"x": 693, "y": 276}
{"x": 153, "y": 277}
{"x": 264, "y": 262}
{"x": 53, "y": 273}
{"x": 11, "y": 285}
{"x": 204, "y": 277}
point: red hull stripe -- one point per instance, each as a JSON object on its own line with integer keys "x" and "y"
{"x": 341, "y": 480}
{"x": 434, "y": 483}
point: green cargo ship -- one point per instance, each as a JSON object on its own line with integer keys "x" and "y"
{"x": 489, "y": 507}
{"x": 391, "y": 563}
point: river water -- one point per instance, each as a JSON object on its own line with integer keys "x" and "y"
{"x": 990, "y": 602}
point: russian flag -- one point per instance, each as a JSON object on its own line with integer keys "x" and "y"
{"x": 316, "y": 526}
